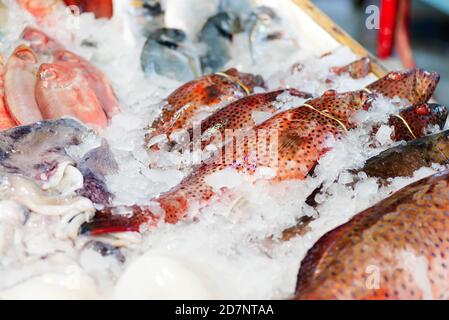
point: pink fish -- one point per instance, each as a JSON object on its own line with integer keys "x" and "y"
{"x": 20, "y": 81}
{"x": 97, "y": 80}
{"x": 40, "y": 42}
{"x": 63, "y": 91}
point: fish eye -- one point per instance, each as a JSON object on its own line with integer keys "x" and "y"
{"x": 423, "y": 110}
{"x": 67, "y": 57}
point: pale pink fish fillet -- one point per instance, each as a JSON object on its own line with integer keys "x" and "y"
{"x": 97, "y": 80}
{"x": 63, "y": 91}
{"x": 20, "y": 82}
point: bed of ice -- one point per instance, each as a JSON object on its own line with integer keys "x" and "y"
{"x": 230, "y": 250}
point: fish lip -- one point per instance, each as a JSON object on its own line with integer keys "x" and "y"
{"x": 23, "y": 49}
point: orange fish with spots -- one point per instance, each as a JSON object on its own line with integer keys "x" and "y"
{"x": 238, "y": 115}
{"x": 299, "y": 140}
{"x": 415, "y": 121}
{"x": 397, "y": 249}
{"x": 210, "y": 91}
{"x": 356, "y": 70}
{"x": 6, "y": 121}
{"x": 415, "y": 85}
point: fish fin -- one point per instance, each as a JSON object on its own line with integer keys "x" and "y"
{"x": 105, "y": 221}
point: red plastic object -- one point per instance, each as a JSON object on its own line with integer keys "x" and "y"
{"x": 101, "y": 8}
{"x": 388, "y": 14}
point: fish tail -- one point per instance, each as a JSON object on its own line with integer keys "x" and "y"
{"x": 117, "y": 219}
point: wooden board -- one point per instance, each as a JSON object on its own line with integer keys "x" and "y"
{"x": 329, "y": 26}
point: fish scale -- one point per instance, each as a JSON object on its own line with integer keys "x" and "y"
{"x": 302, "y": 137}
{"x": 209, "y": 91}
{"x": 415, "y": 85}
{"x": 238, "y": 115}
{"x": 403, "y": 238}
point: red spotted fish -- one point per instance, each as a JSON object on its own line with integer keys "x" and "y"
{"x": 410, "y": 123}
{"x": 301, "y": 140}
{"x": 415, "y": 121}
{"x": 397, "y": 249}
{"x": 239, "y": 115}
{"x": 210, "y": 91}
{"x": 415, "y": 85}
{"x": 356, "y": 70}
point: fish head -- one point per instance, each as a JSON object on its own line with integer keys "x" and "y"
{"x": 67, "y": 56}
{"x": 168, "y": 37}
{"x": 226, "y": 23}
{"x": 56, "y": 75}
{"x": 432, "y": 113}
{"x": 25, "y": 55}
{"x": 415, "y": 85}
{"x": 249, "y": 80}
{"x": 34, "y": 36}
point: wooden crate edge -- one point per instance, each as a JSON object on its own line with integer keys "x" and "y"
{"x": 339, "y": 35}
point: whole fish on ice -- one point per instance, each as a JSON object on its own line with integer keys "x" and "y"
{"x": 403, "y": 160}
{"x": 96, "y": 80}
{"x": 168, "y": 52}
{"x": 415, "y": 85}
{"x": 239, "y": 116}
{"x": 211, "y": 92}
{"x": 302, "y": 134}
{"x": 63, "y": 91}
{"x": 397, "y": 249}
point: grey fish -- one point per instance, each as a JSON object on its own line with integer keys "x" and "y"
{"x": 166, "y": 52}
{"x": 35, "y": 151}
{"x": 217, "y": 34}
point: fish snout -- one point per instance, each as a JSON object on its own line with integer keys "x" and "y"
{"x": 55, "y": 73}
{"x": 440, "y": 113}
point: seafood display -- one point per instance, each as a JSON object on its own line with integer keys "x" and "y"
{"x": 67, "y": 85}
{"x": 399, "y": 238}
{"x": 178, "y": 149}
{"x": 179, "y": 54}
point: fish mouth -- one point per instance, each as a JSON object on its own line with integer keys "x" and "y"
{"x": 441, "y": 112}
{"x": 25, "y": 53}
